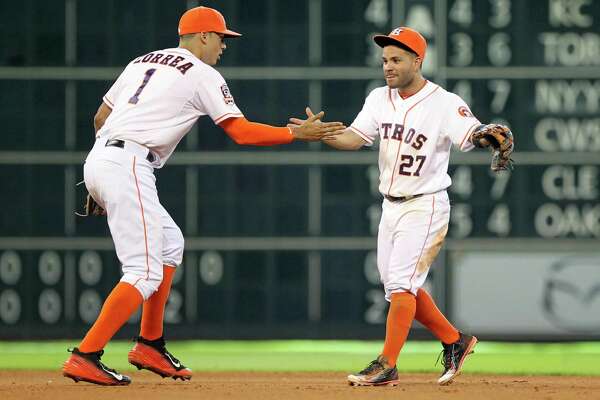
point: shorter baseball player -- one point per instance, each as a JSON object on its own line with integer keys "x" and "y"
{"x": 416, "y": 122}
{"x": 147, "y": 111}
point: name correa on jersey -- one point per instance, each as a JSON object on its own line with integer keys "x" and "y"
{"x": 159, "y": 96}
{"x": 165, "y": 59}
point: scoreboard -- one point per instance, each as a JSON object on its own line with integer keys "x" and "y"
{"x": 280, "y": 242}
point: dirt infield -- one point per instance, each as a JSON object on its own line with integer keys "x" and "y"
{"x": 289, "y": 386}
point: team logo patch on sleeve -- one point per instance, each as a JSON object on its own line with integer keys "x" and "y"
{"x": 227, "y": 97}
{"x": 464, "y": 112}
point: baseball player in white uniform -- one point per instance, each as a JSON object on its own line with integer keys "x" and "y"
{"x": 416, "y": 122}
{"x": 147, "y": 111}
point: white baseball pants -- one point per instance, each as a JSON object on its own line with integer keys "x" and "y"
{"x": 411, "y": 234}
{"x": 145, "y": 236}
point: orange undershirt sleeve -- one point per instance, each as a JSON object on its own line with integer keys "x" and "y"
{"x": 243, "y": 131}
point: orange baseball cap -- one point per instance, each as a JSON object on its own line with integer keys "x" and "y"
{"x": 406, "y": 37}
{"x": 204, "y": 19}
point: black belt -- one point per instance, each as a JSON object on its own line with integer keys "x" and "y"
{"x": 403, "y": 198}
{"x": 121, "y": 144}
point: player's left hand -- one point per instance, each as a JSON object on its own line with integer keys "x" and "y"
{"x": 500, "y": 139}
{"x": 313, "y": 129}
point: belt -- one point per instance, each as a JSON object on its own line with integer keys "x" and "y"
{"x": 403, "y": 198}
{"x": 121, "y": 144}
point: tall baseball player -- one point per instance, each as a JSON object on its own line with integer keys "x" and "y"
{"x": 147, "y": 111}
{"x": 416, "y": 122}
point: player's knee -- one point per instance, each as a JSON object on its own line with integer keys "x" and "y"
{"x": 146, "y": 282}
{"x": 152, "y": 284}
{"x": 173, "y": 248}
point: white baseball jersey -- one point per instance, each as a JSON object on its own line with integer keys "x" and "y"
{"x": 416, "y": 136}
{"x": 159, "y": 96}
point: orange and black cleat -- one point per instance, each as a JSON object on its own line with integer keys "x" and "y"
{"x": 153, "y": 356}
{"x": 377, "y": 373}
{"x": 87, "y": 367}
{"x": 454, "y": 355}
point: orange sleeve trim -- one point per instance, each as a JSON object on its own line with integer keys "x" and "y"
{"x": 243, "y": 131}
{"x": 223, "y": 117}
{"x": 361, "y": 134}
{"x": 468, "y": 134}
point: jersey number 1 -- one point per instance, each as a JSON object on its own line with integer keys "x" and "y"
{"x": 147, "y": 75}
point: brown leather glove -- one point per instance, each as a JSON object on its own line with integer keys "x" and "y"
{"x": 90, "y": 207}
{"x": 500, "y": 139}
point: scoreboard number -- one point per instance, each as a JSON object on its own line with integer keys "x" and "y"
{"x": 10, "y": 306}
{"x": 500, "y": 89}
{"x": 499, "y": 52}
{"x": 50, "y": 268}
{"x": 90, "y": 268}
{"x": 376, "y": 312}
{"x": 50, "y": 306}
{"x": 10, "y": 267}
{"x": 211, "y": 268}
{"x": 10, "y": 274}
{"x": 462, "y": 46}
{"x": 500, "y": 13}
{"x": 460, "y": 220}
{"x": 89, "y": 305}
{"x": 461, "y": 13}
{"x": 499, "y": 220}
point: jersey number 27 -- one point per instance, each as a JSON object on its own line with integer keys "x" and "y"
{"x": 406, "y": 164}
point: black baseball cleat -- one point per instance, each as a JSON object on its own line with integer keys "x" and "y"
{"x": 377, "y": 373}
{"x": 453, "y": 357}
{"x": 87, "y": 367}
{"x": 153, "y": 356}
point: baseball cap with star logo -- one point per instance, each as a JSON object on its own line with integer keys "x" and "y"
{"x": 204, "y": 19}
{"x": 406, "y": 37}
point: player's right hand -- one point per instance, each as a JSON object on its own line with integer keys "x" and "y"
{"x": 313, "y": 129}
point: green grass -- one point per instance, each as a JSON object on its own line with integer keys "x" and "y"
{"x": 342, "y": 356}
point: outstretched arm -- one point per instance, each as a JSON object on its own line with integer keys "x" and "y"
{"x": 245, "y": 132}
{"x": 347, "y": 140}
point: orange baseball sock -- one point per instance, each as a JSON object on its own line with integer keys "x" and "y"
{"x": 432, "y": 318}
{"x": 399, "y": 319}
{"x": 120, "y": 304}
{"x": 154, "y": 308}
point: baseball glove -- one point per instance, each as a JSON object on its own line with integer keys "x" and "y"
{"x": 500, "y": 139}
{"x": 90, "y": 207}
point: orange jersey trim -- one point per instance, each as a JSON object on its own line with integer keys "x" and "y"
{"x": 361, "y": 134}
{"x": 143, "y": 221}
{"x": 390, "y": 97}
{"x": 469, "y": 131}
{"x": 400, "y": 144}
{"x": 243, "y": 131}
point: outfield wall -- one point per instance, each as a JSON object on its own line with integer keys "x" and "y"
{"x": 280, "y": 242}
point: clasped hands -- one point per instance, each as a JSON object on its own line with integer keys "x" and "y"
{"x": 313, "y": 129}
